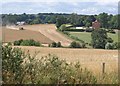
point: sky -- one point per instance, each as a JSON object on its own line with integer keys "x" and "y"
{"x": 59, "y": 6}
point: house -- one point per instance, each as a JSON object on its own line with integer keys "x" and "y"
{"x": 20, "y": 23}
{"x": 96, "y": 24}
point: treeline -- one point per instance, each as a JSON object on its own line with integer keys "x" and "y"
{"x": 106, "y": 20}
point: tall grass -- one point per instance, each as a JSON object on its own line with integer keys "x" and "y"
{"x": 22, "y": 68}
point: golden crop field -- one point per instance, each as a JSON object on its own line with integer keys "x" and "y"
{"x": 92, "y": 59}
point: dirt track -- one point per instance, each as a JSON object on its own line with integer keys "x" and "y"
{"x": 49, "y": 30}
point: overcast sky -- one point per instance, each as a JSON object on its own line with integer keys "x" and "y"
{"x": 59, "y": 6}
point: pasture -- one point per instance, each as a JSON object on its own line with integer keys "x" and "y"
{"x": 86, "y": 36}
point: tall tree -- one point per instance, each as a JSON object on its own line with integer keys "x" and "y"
{"x": 103, "y": 18}
{"x": 99, "y": 38}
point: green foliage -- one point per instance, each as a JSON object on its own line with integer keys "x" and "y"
{"x": 18, "y": 42}
{"x": 75, "y": 44}
{"x": 63, "y": 27}
{"x": 60, "y": 20}
{"x": 59, "y": 44}
{"x": 109, "y": 46}
{"x": 109, "y": 40}
{"x": 107, "y": 21}
{"x": 67, "y": 33}
{"x": 30, "y": 42}
{"x": 75, "y": 30}
{"x": 111, "y": 31}
{"x": 21, "y": 68}
{"x": 103, "y": 18}
{"x": 54, "y": 44}
{"x": 12, "y": 65}
{"x": 99, "y": 38}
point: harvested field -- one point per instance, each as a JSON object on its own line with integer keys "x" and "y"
{"x": 92, "y": 59}
{"x": 49, "y": 30}
{"x": 10, "y": 35}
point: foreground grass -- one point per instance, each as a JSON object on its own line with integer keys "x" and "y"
{"x": 22, "y": 68}
{"x": 86, "y": 36}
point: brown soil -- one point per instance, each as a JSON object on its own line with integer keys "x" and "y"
{"x": 10, "y": 35}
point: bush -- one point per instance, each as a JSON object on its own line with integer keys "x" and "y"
{"x": 19, "y": 67}
{"x": 75, "y": 44}
{"x": 109, "y": 46}
{"x": 46, "y": 70}
{"x": 67, "y": 33}
{"x": 111, "y": 31}
{"x": 58, "y": 44}
{"x": 18, "y": 42}
{"x": 110, "y": 40}
{"x": 63, "y": 27}
{"x": 30, "y": 42}
{"x": 54, "y": 44}
{"x": 76, "y": 30}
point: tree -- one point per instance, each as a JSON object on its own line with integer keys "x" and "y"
{"x": 63, "y": 27}
{"x": 103, "y": 18}
{"x": 36, "y": 21}
{"x": 60, "y": 20}
{"x": 75, "y": 44}
{"x": 99, "y": 38}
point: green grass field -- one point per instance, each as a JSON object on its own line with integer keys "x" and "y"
{"x": 85, "y": 36}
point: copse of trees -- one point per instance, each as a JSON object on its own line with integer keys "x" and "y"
{"x": 30, "y": 42}
{"x": 107, "y": 21}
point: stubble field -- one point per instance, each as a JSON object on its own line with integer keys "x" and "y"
{"x": 92, "y": 59}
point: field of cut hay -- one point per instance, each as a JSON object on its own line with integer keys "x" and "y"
{"x": 49, "y": 30}
{"x": 10, "y": 35}
{"x": 92, "y": 59}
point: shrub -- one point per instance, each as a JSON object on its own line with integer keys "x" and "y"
{"x": 30, "y": 42}
{"x": 58, "y": 44}
{"x": 12, "y": 65}
{"x": 111, "y": 31}
{"x": 63, "y": 27}
{"x": 76, "y": 30}
{"x": 110, "y": 40}
{"x": 109, "y": 46}
{"x": 19, "y": 67}
{"x": 18, "y": 42}
{"x": 67, "y": 33}
{"x": 47, "y": 70}
{"x": 54, "y": 44}
{"x": 75, "y": 44}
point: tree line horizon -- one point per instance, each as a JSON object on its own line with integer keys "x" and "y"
{"x": 107, "y": 20}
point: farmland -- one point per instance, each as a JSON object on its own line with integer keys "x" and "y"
{"x": 91, "y": 59}
{"x": 10, "y": 35}
{"x": 44, "y": 33}
{"x": 86, "y": 36}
